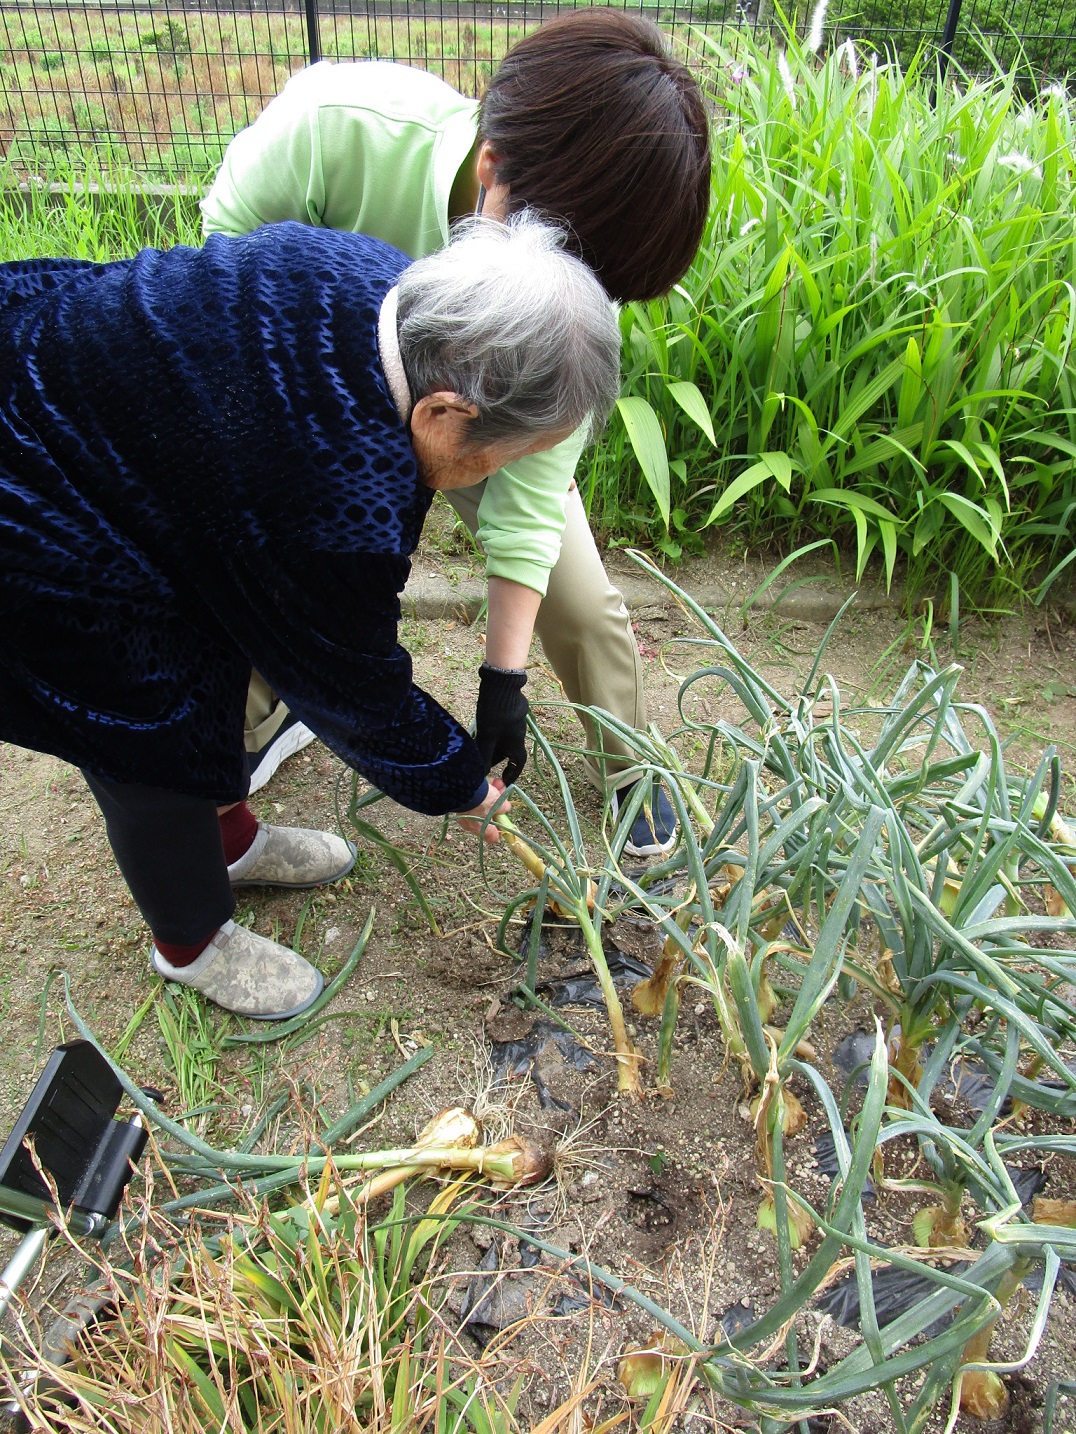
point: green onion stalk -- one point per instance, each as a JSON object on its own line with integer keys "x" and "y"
{"x": 1062, "y": 835}
{"x": 777, "y": 1113}
{"x": 575, "y": 898}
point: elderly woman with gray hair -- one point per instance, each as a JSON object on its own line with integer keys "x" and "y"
{"x": 221, "y": 458}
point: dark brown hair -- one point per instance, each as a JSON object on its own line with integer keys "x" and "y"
{"x": 595, "y": 124}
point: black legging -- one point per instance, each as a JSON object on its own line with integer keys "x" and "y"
{"x": 169, "y": 848}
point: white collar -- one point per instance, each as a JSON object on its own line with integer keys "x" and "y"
{"x": 388, "y": 344}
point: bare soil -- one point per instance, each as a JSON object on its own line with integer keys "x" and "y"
{"x": 664, "y": 1194}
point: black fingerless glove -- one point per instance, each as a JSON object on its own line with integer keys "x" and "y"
{"x": 501, "y": 719}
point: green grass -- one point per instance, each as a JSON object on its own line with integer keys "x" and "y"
{"x": 875, "y": 344}
{"x": 91, "y": 213}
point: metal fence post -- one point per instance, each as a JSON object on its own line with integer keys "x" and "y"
{"x": 951, "y": 20}
{"x": 313, "y": 38}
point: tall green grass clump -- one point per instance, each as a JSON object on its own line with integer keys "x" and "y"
{"x": 92, "y": 212}
{"x": 875, "y": 345}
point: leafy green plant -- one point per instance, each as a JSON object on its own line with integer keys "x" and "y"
{"x": 194, "y": 1047}
{"x": 879, "y": 323}
{"x": 170, "y": 39}
{"x": 663, "y": 361}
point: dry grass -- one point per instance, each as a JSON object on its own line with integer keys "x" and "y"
{"x": 252, "y": 1321}
{"x": 166, "y": 94}
{"x": 324, "y": 1316}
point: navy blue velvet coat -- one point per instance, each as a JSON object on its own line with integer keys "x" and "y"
{"x": 202, "y": 471}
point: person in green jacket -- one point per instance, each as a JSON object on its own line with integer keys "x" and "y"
{"x": 590, "y": 121}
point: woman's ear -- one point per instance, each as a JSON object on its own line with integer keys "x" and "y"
{"x": 493, "y": 196}
{"x": 439, "y": 428}
{"x": 440, "y": 416}
{"x": 487, "y": 162}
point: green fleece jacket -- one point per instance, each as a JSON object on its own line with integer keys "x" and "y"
{"x": 375, "y": 148}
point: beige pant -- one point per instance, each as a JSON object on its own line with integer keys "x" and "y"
{"x": 584, "y": 629}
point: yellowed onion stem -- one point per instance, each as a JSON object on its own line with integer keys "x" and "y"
{"x": 580, "y": 908}
{"x": 564, "y": 902}
{"x": 648, "y": 997}
{"x": 513, "y": 1161}
{"x": 627, "y": 1057}
{"x": 455, "y": 1128}
{"x": 982, "y": 1393}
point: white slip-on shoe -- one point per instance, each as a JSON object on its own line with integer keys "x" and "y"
{"x": 293, "y": 856}
{"x": 248, "y": 975}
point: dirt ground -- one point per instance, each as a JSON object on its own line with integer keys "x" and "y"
{"x": 664, "y": 1194}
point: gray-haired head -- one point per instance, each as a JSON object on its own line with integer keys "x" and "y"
{"x": 508, "y": 319}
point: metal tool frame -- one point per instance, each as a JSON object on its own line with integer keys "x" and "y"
{"x": 88, "y": 1154}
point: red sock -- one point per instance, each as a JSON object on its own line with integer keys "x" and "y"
{"x": 238, "y": 828}
{"x": 181, "y": 955}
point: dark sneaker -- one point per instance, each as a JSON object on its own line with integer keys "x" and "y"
{"x": 291, "y": 737}
{"x": 293, "y": 856}
{"x": 247, "y": 974}
{"x": 653, "y": 832}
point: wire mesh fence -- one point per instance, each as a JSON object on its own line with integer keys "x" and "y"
{"x": 161, "y": 87}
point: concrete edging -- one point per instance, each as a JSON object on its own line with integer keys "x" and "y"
{"x": 431, "y": 595}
